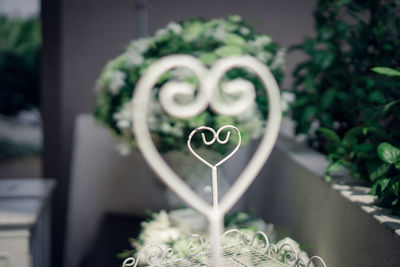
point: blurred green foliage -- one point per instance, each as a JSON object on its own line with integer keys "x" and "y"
{"x": 20, "y": 42}
{"x": 348, "y": 92}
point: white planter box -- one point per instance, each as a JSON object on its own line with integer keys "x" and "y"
{"x": 337, "y": 222}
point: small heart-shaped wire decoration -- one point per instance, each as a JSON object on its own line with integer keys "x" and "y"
{"x": 206, "y": 96}
{"x": 216, "y": 138}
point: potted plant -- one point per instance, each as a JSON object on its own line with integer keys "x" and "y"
{"x": 348, "y": 111}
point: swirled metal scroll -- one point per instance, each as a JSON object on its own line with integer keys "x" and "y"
{"x": 236, "y": 245}
{"x": 156, "y": 255}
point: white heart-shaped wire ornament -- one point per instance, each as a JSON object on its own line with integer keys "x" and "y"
{"x": 208, "y": 83}
{"x": 212, "y": 141}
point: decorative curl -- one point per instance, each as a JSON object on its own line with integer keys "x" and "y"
{"x": 169, "y": 94}
{"x": 231, "y": 237}
{"x": 264, "y": 240}
{"x": 195, "y": 245}
{"x": 234, "y": 98}
{"x": 289, "y": 255}
{"x": 316, "y": 258}
{"x": 128, "y": 262}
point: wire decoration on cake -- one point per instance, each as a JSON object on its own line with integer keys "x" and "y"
{"x": 217, "y": 251}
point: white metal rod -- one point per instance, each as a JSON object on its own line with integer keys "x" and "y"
{"x": 215, "y": 232}
{"x": 215, "y": 224}
{"x": 214, "y": 177}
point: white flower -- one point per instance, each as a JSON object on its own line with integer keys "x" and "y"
{"x": 244, "y": 30}
{"x": 177, "y": 130}
{"x": 279, "y": 59}
{"x": 158, "y": 231}
{"x": 123, "y": 148}
{"x": 219, "y": 33}
{"x": 288, "y": 96}
{"x": 123, "y": 116}
{"x": 174, "y": 27}
{"x": 165, "y": 127}
{"x": 140, "y": 45}
{"x": 117, "y": 80}
{"x": 314, "y": 126}
{"x": 264, "y": 56}
{"x": 286, "y": 99}
{"x": 134, "y": 58}
{"x": 160, "y": 32}
{"x": 251, "y": 120}
{"x": 263, "y": 40}
{"x": 235, "y": 18}
{"x": 260, "y": 42}
{"x": 336, "y": 125}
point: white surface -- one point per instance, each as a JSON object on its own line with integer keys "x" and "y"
{"x": 14, "y": 248}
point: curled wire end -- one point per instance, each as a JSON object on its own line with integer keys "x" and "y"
{"x": 203, "y": 136}
{"x": 129, "y": 262}
{"x": 316, "y": 258}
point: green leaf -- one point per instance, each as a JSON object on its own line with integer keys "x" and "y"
{"x": 208, "y": 58}
{"x": 334, "y": 166}
{"x": 397, "y": 165}
{"x": 323, "y": 59}
{"x": 386, "y": 71}
{"x": 388, "y": 153}
{"x": 380, "y": 186}
{"x": 377, "y": 96}
{"x": 329, "y": 134}
{"x": 326, "y": 32}
{"x": 390, "y": 104}
{"x": 309, "y": 113}
{"x": 200, "y": 119}
{"x": 227, "y": 50}
{"x": 234, "y": 40}
{"x": 328, "y": 98}
{"x": 351, "y": 135}
{"x": 379, "y": 172}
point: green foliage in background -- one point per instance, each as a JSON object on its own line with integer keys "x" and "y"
{"x": 347, "y": 92}
{"x": 20, "y": 42}
{"x": 207, "y": 40}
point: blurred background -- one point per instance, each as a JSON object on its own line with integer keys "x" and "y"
{"x": 52, "y": 52}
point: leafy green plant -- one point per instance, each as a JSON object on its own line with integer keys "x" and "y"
{"x": 344, "y": 104}
{"x": 19, "y": 64}
{"x": 208, "y": 40}
{"x": 387, "y": 185}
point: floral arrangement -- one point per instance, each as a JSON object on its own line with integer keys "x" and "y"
{"x": 208, "y": 40}
{"x": 171, "y": 229}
